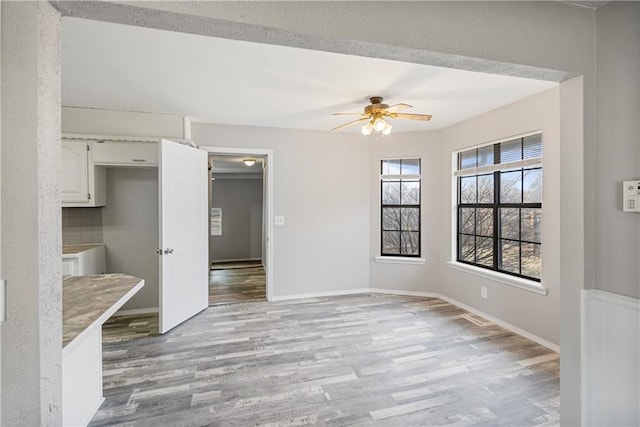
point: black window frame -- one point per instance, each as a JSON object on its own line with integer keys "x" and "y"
{"x": 496, "y": 207}
{"x": 400, "y": 178}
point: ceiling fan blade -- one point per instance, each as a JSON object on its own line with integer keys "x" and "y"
{"x": 348, "y": 114}
{"x": 397, "y": 107}
{"x": 362, "y": 119}
{"x": 423, "y": 117}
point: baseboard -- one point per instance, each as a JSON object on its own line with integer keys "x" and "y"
{"x": 135, "y": 311}
{"x": 220, "y": 261}
{"x": 321, "y": 294}
{"x": 512, "y": 328}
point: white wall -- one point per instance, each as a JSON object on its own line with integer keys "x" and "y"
{"x": 31, "y": 235}
{"x": 96, "y": 121}
{"x": 413, "y": 278}
{"x": 531, "y": 312}
{"x": 321, "y": 187}
{"x": 130, "y": 230}
{"x": 241, "y": 204}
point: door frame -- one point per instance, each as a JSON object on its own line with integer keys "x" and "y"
{"x": 268, "y": 155}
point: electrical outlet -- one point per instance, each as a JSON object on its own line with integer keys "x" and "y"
{"x": 279, "y": 220}
{"x": 483, "y": 292}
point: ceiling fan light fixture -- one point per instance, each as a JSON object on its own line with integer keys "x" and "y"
{"x": 387, "y": 129}
{"x": 379, "y": 124}
{"x": 367, "y": 129}
{"x": 249, "y": 162}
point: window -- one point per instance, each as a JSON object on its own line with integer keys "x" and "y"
{"x": 499, "y": 209}
{"x": 216, "y": 221}
{"x": 400, "y": 207}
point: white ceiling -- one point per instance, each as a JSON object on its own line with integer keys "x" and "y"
{"x": 224, "y": 81}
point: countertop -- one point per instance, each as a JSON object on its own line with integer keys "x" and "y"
{"x": 76, "y": 249}
{"x": 88, "y": 301}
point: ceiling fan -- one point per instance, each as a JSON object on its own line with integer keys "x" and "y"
{"x": 375, "y": 113}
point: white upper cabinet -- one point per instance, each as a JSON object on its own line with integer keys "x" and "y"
{"x": 125, "y": 153}
{"x": 82, "y": 184}
{"x": 75, "y": 171}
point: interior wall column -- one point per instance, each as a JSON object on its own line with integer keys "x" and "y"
{"x": 31, "y": 216}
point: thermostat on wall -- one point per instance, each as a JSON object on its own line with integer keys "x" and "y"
{"x": 631, "y": 196}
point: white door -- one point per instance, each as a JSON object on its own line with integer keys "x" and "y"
{"x": 184, "y": 272}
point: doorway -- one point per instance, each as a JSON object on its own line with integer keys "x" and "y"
{"x": 239, "y": 226}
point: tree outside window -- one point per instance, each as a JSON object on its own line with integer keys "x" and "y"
{"x": 400, "y": 207}
{"x": 500, "y": 207}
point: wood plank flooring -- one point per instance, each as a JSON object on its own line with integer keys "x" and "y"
{"x": 354, "y": 360}
{"x": 233, "y": 285}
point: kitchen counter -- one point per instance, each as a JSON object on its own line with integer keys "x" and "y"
{"x": 76, "y": 249}
{"x": 87, "y": 302}
{"x": 83, "y": 260}
{"x": 90, "y": 299}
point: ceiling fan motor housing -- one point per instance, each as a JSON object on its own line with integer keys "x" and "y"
{"x": 376, "y": 105}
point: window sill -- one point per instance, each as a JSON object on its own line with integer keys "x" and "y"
{"x": 399, "y": 260}
{"x": 527, "y": 285}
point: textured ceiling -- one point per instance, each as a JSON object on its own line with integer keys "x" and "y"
{"x": 225, "y": 81}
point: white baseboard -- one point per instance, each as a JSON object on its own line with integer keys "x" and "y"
{"x": 322, "y": 294}
{"x": 506, "y": 325}
{"x": 135, "y": 311}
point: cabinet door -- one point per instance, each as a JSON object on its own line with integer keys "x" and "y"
{"x": 75, "y": 171}
{"x": 125, "y": 153}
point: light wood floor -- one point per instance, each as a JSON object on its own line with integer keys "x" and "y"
{"x": 353, "y": 360}
{"x": 237, "y": 284}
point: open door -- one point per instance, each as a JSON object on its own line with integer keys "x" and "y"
{"x": 183, "y": 241}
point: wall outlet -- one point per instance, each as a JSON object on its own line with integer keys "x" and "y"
{"x": 279, "y": 220}
{"x": 483, "y": 292}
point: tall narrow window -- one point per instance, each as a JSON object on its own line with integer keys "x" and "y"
{"x": 499, "y": 207}
{"x": 400, "y": 207}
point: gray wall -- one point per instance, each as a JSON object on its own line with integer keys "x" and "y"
{"x": 531, "y": 312}
{"x": 617, "y": 234}
{"x": 326, "y": 213}
{"x": 241, "y": 203}
{"x": 130, "y": 230}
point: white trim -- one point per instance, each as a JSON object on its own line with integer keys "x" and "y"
{"x": 268, "y": 154}
{"x": 399, "y": 260}
{"x": 505, "y": 279}
{"x": 321, "y": 294}
{"x": 611, "y": 298}
{"x": 136, "y": 311}
{"x": 543, "y": 342}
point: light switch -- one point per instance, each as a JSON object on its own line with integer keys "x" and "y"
{"x": 3, "y": 300}
{"x": 279, "y": 220}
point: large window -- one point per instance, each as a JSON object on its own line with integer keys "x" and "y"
{"x": 400, "y": 207}
{"x": 500, "y": 206}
